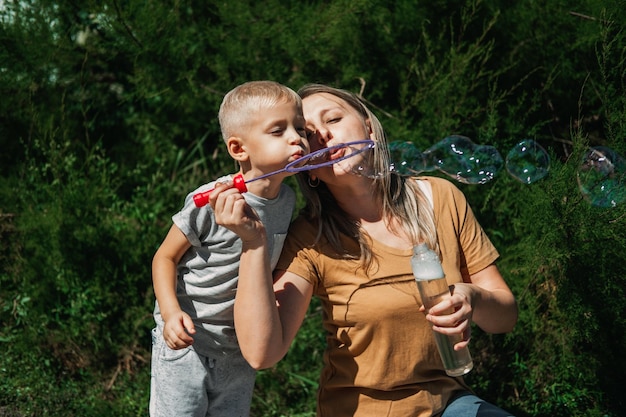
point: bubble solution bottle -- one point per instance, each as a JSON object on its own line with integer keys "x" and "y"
{"x": 433, "y": 288}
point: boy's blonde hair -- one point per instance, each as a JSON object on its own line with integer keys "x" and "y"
{"x": 240, "y": 103}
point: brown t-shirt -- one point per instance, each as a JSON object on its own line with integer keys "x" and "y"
{"x": 381, "y": 357}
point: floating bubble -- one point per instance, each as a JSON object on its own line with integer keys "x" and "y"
{"x": 602, "y": 177}
{"x": 464, "y": 161}
{"x": 455, "y": 156}
{"x": 406, "y": 159}
{"x": 528, "y": 161}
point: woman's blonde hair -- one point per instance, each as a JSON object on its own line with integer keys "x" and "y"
{"x": 245, "y": 100}
{"x": 403, "y": 202}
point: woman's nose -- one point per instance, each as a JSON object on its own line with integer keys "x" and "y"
{"x": 322, "y": 136}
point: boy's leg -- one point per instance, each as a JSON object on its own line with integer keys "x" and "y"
{"x": 178, "y": 381}
{"x": 231, "y": 385}
{"x": 467, "y": 404}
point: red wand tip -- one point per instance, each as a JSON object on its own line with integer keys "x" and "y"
{"x": 202, "y": 199}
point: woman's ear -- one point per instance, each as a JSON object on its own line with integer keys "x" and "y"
{"x": 236, "y": 149}
{"x": 368, "y": 126}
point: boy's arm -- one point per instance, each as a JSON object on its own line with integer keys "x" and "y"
{"x": 267, "y": 316}
{"x": 178, "y": 324}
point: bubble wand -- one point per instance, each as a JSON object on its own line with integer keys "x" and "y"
{"x": 318, "y": 159}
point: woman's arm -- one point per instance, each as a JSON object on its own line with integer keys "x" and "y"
{"x": 485, "y": 300}
{"x": 494, "y": 306}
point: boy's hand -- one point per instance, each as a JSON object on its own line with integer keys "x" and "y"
{"x": 177, "y": 331}
{"x": 232, "y": 212}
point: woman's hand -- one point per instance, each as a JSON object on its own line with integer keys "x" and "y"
{"x": 453, "y": 315}
{"x": 485, "y": 300}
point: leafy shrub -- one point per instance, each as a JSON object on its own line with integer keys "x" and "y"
{"x": 108, "y": 119}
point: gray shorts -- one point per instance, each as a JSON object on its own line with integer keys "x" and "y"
{"x": 184, "y": 383}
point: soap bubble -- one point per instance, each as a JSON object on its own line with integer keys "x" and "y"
{"x": 406, "y": 159}
{"x": 366, "y": 167}
{"x": 528, "y": 161}
{"x": 602, "y": 177}
{"x": 464, "y": 161}
{"x": 456, "y": 156}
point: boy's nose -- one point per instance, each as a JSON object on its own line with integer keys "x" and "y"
{"x": 296, "y": 137}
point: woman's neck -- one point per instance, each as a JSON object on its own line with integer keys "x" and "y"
{"x": 364, "y": 206}
{"x": 358, "y": 201}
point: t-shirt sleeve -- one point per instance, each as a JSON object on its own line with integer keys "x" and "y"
{"x": 194, "y": 222}
{"x": 297, "y": 256}
{"x": 459, "y": 231}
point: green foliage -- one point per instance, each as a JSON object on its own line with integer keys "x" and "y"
{"x": 108, "y": 119}
{"x": 290, "y": 388}
{"x": 33, "y": 384}
{"x": 569, "y": 280}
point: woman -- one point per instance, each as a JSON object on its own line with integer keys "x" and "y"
{"x": 351, "y": 247}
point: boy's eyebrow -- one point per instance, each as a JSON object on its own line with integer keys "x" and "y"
{"x": 270, "y": 122}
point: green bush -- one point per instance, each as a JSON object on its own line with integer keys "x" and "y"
{"x": 108, "y": 119}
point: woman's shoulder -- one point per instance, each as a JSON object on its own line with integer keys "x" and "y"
{"x": 437, "y": 182}
{"x": 303, "y": 227}
{"x": 445, "y": 193}
{"x": 441, "y": 186}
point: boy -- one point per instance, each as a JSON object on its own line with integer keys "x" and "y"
{"x": 197, "y": 367}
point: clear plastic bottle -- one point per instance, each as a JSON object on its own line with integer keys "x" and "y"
{"x": 433, "y": 288}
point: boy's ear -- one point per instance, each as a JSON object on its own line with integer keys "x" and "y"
{"x": 236, "y": 149}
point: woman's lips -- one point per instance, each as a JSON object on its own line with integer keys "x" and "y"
{"x": 336, "y": 154}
